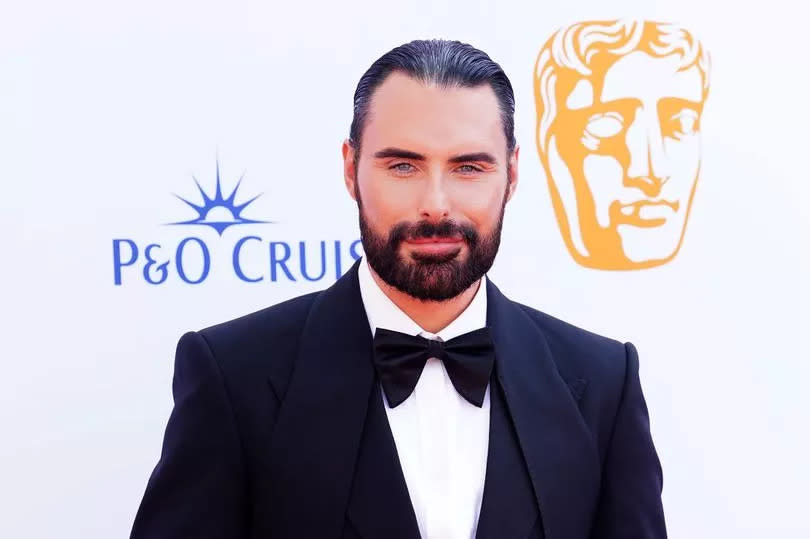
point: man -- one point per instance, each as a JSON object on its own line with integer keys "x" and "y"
{"x": 619, "y": 105}
{"x": 410, "y": 399}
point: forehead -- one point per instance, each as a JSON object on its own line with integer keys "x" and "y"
{"x": 409, "y": 114}
{"x": 643, "y": 76}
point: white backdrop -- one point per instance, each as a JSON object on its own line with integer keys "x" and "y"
{"x": 107, "y": 109}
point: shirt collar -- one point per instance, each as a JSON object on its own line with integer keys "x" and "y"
{"x": 384, "y": 313}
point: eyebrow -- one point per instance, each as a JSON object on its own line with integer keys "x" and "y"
{"x": 407, "y": 154}
{"x": 397, "y": 152}
{"x": 479, "y": 156}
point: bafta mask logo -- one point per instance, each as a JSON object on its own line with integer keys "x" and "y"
{"x": 618, "y": 132}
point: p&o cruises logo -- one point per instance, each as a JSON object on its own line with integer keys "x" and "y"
{"x": 284, "y": 260}
{"x": 219, "y": 213}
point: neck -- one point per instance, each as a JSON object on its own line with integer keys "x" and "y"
{"x": 432, "y": 316}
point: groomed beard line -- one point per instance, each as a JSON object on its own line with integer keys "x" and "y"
{"x": 429, "y": 277}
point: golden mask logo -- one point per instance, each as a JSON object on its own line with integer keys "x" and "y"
{"x": 618, "y": 131}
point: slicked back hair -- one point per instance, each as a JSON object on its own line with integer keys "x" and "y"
{"x": 441, "y": 62}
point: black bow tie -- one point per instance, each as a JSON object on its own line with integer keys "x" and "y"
{"x": 400, "y": 358}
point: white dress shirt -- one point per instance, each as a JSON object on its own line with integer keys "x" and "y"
{"x": 441, "y": 439}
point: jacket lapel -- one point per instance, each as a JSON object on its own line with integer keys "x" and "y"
{"x": 509, "y": 507}
{"x": 380, "y": 505}
{"x": 558, "y": 450}
{"x": 317, "y": 435}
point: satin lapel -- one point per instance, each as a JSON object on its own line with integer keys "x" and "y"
{"x": 380, "y": 505}
{"x": 317, "y": 434}
{"x": 559, "y": 452}
{"x": 509, "y": 508}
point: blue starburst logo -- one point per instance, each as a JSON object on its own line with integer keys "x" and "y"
{"x": 219, "y": 212}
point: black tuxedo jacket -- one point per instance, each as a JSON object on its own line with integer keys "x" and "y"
{"x": 279, "y": 431}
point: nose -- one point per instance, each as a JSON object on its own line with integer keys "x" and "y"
{"x": 434, "y": 204}
{"x": 649, "y": 166}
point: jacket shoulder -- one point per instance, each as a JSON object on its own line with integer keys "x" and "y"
{"x": 593, "y": 366}
{"x": 262, "y": 342}
{"x": 580, "y": 353}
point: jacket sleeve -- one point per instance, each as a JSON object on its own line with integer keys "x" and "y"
{"x": 630, "y": 500}
{"x": 197, "y": 488}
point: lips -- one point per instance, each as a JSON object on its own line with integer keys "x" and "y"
{"x": 436, "y": 245}
{"x": 435, "y": 239}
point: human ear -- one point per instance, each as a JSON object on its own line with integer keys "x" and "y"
{"x": 512, "y": 163}
{"x": 349, "y": 172}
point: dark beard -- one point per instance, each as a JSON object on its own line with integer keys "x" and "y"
{"x": 430, "y": 277}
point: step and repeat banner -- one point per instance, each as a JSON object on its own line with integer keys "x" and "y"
{"x": 169, "y": 165}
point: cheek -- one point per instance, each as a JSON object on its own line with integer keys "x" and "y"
{"x": 385, "y": 202}
{"x": 481, "y": 204}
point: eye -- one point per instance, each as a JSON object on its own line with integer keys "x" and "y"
{"x": 402, "y": 168}
{"x": 605, "y": 125}
{"x": 686, "y": 123}
{"x": 469, "y": 169}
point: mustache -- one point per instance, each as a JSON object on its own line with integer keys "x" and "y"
{"x": 426, "y": 229}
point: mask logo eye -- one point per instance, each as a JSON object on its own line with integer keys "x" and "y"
{"x": 604, "y": 125}
{"x": 686, "y": 122}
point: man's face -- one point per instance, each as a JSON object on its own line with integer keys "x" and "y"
{"x": 431, "y": 185}
{"x": 629, "y": 144}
